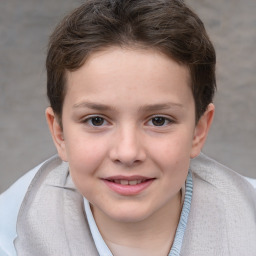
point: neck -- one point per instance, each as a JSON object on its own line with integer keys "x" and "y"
{"x": 151, "y": 234}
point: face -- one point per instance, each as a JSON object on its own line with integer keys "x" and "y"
{"x": 129, "y": 131}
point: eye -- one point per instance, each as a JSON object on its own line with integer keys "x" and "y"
{"x": 159, "y": 121}
{"x": 95, "y": 121}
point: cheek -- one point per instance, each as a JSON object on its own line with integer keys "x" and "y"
{"x": 85, "y": 158}
{"x": 175, "y": 145}
{"x": 173, "y": 152}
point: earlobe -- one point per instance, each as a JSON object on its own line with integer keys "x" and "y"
{"x": 56, "y": 132}
{"x": 201, "y": 130}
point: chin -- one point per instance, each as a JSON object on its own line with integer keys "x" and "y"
{"x": 130, "y": 215}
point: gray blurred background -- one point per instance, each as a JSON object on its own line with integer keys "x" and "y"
{"x": 25, "y": 26}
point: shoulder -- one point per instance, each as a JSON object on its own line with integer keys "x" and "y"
{"x": 229, "y": 183}
{"x": 10, "y": 202}
{"x": 225, "y": 203}
{"x": 214, "y": 172}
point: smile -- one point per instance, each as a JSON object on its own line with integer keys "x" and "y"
{"x": 128, "y": 186}
{"x": 128, "y": 182}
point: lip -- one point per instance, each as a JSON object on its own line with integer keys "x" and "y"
{"x": 128, "y": 190}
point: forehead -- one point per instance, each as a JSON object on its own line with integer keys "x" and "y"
{"x": 126, "y": 72}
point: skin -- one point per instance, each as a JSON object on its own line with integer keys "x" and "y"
{"x": 127, "y": 88}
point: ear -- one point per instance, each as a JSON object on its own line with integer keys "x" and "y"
{"x": 56, "y": 132}
{"x": 201, "y": 130}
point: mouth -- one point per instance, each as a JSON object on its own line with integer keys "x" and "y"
{"x": 128, "y": 182}
{"x": 128, "y": 186}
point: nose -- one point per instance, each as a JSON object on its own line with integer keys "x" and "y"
{"x": 128, "y": 148}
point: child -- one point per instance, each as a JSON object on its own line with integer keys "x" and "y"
{"x": 130, "y": 84}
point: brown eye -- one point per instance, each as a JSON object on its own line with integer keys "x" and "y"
{"x": 159, "y": 121}
{"x": 97, "y": 121}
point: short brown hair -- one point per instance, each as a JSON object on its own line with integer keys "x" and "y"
{"x": 168, "y": 26}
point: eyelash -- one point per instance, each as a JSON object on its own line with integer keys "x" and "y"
{"x": 89, "y": 121}
{"x": 167, "y": 121}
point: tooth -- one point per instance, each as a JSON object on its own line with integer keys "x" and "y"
{"x": 124, "y": 182}
{"x": 133, "y": 182}
{"x": 117, "y": 181}
{"x": 139, "y": 181}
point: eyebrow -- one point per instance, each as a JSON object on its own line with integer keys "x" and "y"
{"x": 94, "y": 106}
{"x": 163, "y": 106}
{"x": 146, "y": 108}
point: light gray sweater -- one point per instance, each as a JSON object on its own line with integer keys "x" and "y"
{"x": 222, "y": 220}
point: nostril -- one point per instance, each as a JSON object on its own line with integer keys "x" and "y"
{"x": 127, "y": 163}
